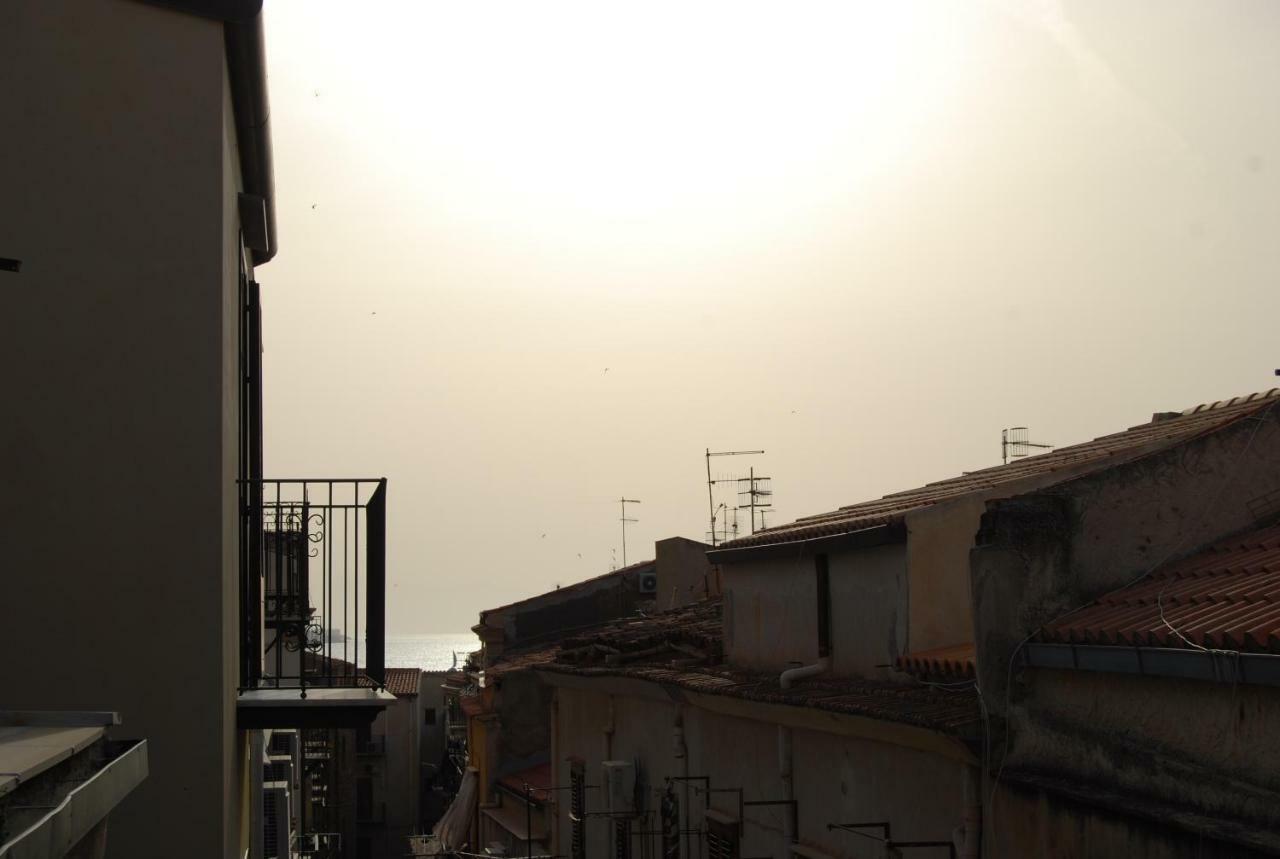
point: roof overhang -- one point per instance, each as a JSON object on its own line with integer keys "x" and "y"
{"x": 321, "y": 708}
{"x": 879, "y": 535}
{"x": 247, "y": 70}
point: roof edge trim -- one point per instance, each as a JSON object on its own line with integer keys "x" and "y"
{"x": 1220, "y": 666}
{"x": 878, "y": 535}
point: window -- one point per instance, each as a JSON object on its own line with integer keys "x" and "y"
{"x": 429, "y": 716}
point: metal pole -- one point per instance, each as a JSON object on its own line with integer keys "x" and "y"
{"x": 711, "y": 503}
{"x": 528, "y": 821}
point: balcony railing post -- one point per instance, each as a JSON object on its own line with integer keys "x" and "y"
{"x": 376, "y": 585}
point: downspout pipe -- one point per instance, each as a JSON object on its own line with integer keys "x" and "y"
{"x": 247, "y": 71}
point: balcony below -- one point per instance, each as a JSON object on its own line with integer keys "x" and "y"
{"x": 322, "y": 707}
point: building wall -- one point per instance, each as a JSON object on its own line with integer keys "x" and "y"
{"x": 684, "y": 573}
{"x": 119, "y": 514}
{"x": 1191, "y": 751}
{"x": 771, "y": 611}
{"x": 1042, "y": 554}
{"x": 837, "y": 778}
{"x": 1033, "y": 822}
{"x": 431, "y": 698}
{"x": 395, "y": 776}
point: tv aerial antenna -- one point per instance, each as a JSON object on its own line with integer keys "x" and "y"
{"x": 1015, "y": 443}
{"x": 757, "y": 488}
{"x": 624, "y": 501}
{"x": 711, "y": 484}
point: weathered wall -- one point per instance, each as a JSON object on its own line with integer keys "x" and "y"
{"x": 938, "y": 542}
{"x": 1193, "y": 750}
{"x": 684, "y": 573}
{"x": 524, "y": 707}
{"x": 771, "y": 610}
{"x": 836, "y": 778}
{"x": 1041, "y": 555}
{"x": 119, "y": 518}
{"x": 1034, "y": 822}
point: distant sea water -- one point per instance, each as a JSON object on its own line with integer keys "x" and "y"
{"x": 429, "y": 652}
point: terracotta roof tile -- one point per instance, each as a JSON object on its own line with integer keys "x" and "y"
{"x": 403, "y": 682}
{"x": 683, "y": 648}
{"x": 1224, "y": 597}
{"x": 1104, "y": 451}
{"x": 954, "y": 661}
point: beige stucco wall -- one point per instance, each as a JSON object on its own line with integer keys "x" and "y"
{"x": 118, "y": 515}
{"x": 771, "y": 610}
{"x": 837, "y": 778}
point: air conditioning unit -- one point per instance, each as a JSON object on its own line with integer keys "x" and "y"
{"x": 648, "y": 583}
{"x": 620, "y": 787}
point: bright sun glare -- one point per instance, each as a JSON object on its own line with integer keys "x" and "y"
{"x": 686, "y": 112}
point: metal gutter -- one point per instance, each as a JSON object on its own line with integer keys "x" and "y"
{"x": 247, "y": 69}
{"x": 82, "y": 809}
{"x": 1220, "y": 666}
{"x": 878, "y": 535}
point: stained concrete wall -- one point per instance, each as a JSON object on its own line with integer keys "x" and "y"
{"x": 836, "y": 778}
{"x": 684, "y": 573}
{"x": 118, "y": 518}
{"x": 1195, "y": 751}
{"x": 771, "y": 611}
{"x": 1041, "y": 555}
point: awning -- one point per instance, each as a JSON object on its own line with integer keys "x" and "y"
{"x": 450, "y": 831}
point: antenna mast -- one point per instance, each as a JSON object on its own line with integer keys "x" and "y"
{"x": 753, "y": 494}
{"x": 711, "y": 501}
{"x": 624, "y": 520}
{"x": 1015, "y": 443}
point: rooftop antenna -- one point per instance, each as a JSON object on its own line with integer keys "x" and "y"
{"x": 1015, "y": 443}
{"x": 624, "y": 520}
{"x": 711, "y": 501}
{"x": 754, "y": 494}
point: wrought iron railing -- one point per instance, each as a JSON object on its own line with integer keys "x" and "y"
{"x": 313, "y": 583}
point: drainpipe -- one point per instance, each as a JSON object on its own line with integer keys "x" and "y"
{"x": 971, "y": 845}
{"x": 822, "y": 574}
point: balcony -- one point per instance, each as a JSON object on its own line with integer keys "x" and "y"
{"x": 313, "y": 603}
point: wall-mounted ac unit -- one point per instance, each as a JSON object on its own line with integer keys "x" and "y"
{"x": 648, "y": 583}
{"x": 620, "y": 787}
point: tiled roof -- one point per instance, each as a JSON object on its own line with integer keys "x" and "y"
{"x": 403, "y": 682}
{"x": 683, "y": 648}
{"x": 954, "y": 661}
{"x": 1164, "y": 430}
{"x": 1225, "y": 597}
{"x": 621, "y": 571}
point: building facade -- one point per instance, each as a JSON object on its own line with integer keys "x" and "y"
{"x": 145, "y": 534}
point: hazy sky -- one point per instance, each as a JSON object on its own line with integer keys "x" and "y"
{"x": 535, "y": 256}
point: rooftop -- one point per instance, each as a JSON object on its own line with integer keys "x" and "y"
{"x": 403, "y": 682}
{"x": 1164, "y": 430}
{"x": 567, "y": 589}
{"x": 1224, "y": 597}
{"x": 683, "y": 648}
